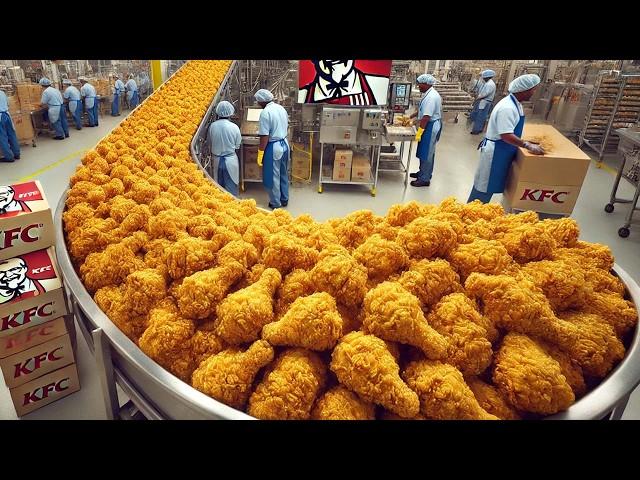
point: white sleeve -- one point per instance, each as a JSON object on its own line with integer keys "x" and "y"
{"x": 430, "y": 106}
{"x": 506, "y": 120}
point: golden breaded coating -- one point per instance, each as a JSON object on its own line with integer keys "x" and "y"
{"x": 483, "y": 256}
{"x": 585, "y": 253}
{"x": 287, "y": 253}
{"x": 109, "y": 267}
{"x": 94, "y": 235}
{"x": 381, "y": 257}
{"x": 296, "y": 284}
{"x": 228, "y": 376}
{"x": 341, "y": 404}
{"x": 402, "y": 214}
{"x": 340, "y": 275}
{"x": 505, "y": 223}
{"x": 621, "y": 314}
{"x": 476, "y": 210}
{"x": 430, "y": 280}
{"x": 365, "y": 366}
{"x": 491, "y": 400}
{"x": 168, "y": 224}
{"x": 189, "y": 255}
{"x": 355, "y": 228}
{"x": 570, "y": 369}
{"x": 75, "y": 217}
{"x": 564, "y": 231}
{"x": 312, "y": 322}
{"x": 603, "y": 281}
{"x": 427, "y": 238}
{"x": 563, "y": 282}
{"x": 289, "y": 387}
{"x": 528, "y": 243}
{"x": 442, "y": 391}
{"x": 110, "y": 301}
{"x": 238, "y": 251}
{"x": 205, "y": 342}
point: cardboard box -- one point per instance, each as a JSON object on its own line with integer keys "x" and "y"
{"x": 26, "y": 223}
{"x": 29, "y": 94}
{"x": 37, "y": 361}
{"x": 550, "y": 183}
{"x": 14, "y": 104}
{"x": 23, "y": 126}
{"x": 342, "y": 165}
{"x": 300, "y": 164}
{"x": 45, "y": 390}
{"x": 32, "y": 293}
{"x": 361, "y": 169}
{"x": 32, "y": 336}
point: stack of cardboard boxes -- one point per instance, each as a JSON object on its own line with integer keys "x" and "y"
{"x": 20, "y": 107}
{"x": 252, "y": 171}
{"x": 36, "y": 338}
{"x": 351, "y": 167}
{"x": 29, "y": 95}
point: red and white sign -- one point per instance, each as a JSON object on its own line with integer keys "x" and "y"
{"x": 45, "y": 390}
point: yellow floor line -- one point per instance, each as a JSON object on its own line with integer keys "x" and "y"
{"x": 71, "y": 156}
{"x": 606, "y": 168}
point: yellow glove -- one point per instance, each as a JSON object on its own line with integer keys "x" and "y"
{"x": 419, "y": 134}
{"x": 260, "y": 155}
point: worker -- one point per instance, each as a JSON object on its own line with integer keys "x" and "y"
{"x": 8, "y": 138}
{"x": 429, "y": 128}
{"x": 54, "y": 103}
{"x": 483, "y": 102}
{"x": 88, "y": 92}
{"x": 118, "y": 91}
{"x": 132, "y": 92}
{"x": 225, "y": 138}
{"x": 499, "y": 147}
{"x": 74, "y": 102}
{"x": 273, "y": 150}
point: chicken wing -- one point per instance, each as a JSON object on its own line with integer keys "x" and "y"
{"x": 430, "y": 280}
{"x": 342, "y": 404}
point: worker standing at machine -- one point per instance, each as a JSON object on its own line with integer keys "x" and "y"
{"x": 132, "y": 92}
{"x": 499, "y": 147}
{"x": 74, "y": 102}
{"x": 88, "y": 92}
{"x": 225, "y": 139}
{"x": 483, "y": 102}
{"x": 54, "y": 103}
{"x": 118, "y": 91}
{"x": 8, "y": 139}
{"x": 273, "y": 150}
{"x": 429, "y": 128}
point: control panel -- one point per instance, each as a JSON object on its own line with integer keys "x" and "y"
{"x": 372, "y": 119}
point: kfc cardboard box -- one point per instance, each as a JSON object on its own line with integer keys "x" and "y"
{"x": 360, "y": 169}
{"x": 37, "y": 361}
{"x": 547, "y": 183}
{"x": 25, "y": 219}
{"x": 45, "y": 390}
{"x": 31, "y": 291}
{"x": 32, "y": 336}
{"x": 342, "y": 165}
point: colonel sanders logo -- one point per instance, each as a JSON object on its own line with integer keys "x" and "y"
{"x": 15, "y": 282}
{"x": 8, "y": 203}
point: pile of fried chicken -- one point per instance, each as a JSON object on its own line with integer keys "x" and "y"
{"x": 449, "y": 311}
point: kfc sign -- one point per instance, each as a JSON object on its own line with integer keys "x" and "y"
{"x": 32, "y": 364}
{"x": 43, "y": 392}
{"x": 24, "y": 234}
{"x": 24, "y": 317}
{"x": 539, "y": 195}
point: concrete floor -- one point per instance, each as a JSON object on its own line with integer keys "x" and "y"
{"x": 52, "y": 162}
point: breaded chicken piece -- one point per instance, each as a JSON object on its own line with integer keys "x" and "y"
{"x": 483, "y": 256}
{"x": 94, "y": 235}
{"x": 340, "y": 275}
{"x": 312, "y": 322}
{"x": 205, "y": 227}
{"x": 75, "y": 217}
{"x": 109, "y": 299}
{"x": 228, "y": 376}
{"x": 565, "y": 231}
{"x": 199, "y": 294}
{"x": 351, "y": 318}
{"x": 603, "y": 281}
{"x": 585, "y": 253}
{"x": 476, "y": 210}
{"x": 442, "y": 391}
{"x": 427, "y": 238}
{"x": 296, "y": 284}
{"x": 205, "y": 342}
{"x": 430, "y": 280}
{"x": 340, "y": 403}
{"x": 456, "y": 319}
{"x": 621, "y": 314}
{"x": 257, "y": 235}
{"x": 528, "y": 243}
{"x": 110, "y": 266}
{"x": 355, "y": 228}
{"x": 287, "y": 253}
{"x": 478, "y": 230}
{"x": 562, "y": 282}
{"x": 531, "y": 379}
{"x": 289, "y": 387}
{"x": 168, "y": 223}
{"x": 241, "y": 315}
{"x": 492, "y": 400}
{"x": 381, "y": 257}
{"x": 365, "y": 366}
{"x": 251, "y": 276}
{"x": 189, "y": 255}
{"x": 238, "y": 251}
{"x": 402, "y": 214}
{"x": 570, "y": 369}
{"x": 394, "y": 314}
{"x": 505, "y": 223}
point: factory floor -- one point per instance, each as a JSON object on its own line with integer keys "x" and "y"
{"x": 52, "y": 162}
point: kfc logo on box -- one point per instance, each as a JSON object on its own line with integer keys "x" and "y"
{"x": 31, "y": 336}
{"x": 21, "y": 198}
{"x": 45, "y": 390}
{"x": 540, "y": 195}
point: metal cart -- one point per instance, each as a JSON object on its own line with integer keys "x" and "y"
{"x": 630, "y": 150}
{"x": 394, "y": 162}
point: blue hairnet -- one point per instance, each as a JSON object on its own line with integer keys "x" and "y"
{"x": 524, "y": 82}
{"x": 263, "y": 95}
{"x": 488, "y": 74}
{"x": 427, "y": 78}
{"x": 45, "y": 82}
{"x": 224, "y": 109}
{"x": 66, "y": 81}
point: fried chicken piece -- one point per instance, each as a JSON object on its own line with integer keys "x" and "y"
{"x": 351, "y": 318}
{"x": 365, "y": 366}
{"x": 492, "y": 400}
{"x": 242, "y": 314}
{"x": 402, "y": 214}
{"x": 289, "y": 387}
{"x": 427, "y": 238}
{"x": 205, "y": 342}
{"x": 355, "y": 228}
{"x": 442, "y": 391}
{"x": 287, "y": 253}
{"x": 430, "y": 280}
{"x": 75, "y": 217}
{"x": 340, "y": 275}
{"x": 478, "y": 230}
{"x": 189, "y": 255}
{"x": 562, "y": 282}
{"x": 312, "y": 322}
{"x": 94, "y": 235}
{"x": 200, "y": 293}
{"x": 593, "y": 254}
{"x": 621, "y": 314}
{"x": 297, "y": 284}
{"x": 341, "y": 404}
{"x": 227, "y": 376}
{"x": 603, "y": 281}
{"x": 238, "y": 251}
{"x": 527, "y": 243}
{"x": 565, "y": 231}
{"x": 381, "y": 257}
{"x": 109, "y": 299}
{"x": 456, "y": 319}
{"x": 505, "y": 223}
{"x": 531, "y": 379}
{"x": 110, "y": 266}
{"x": 168, "y": 224}
{"x": 386, "y": 231}
{"x": 570, "y": 369}
{"x": 476, "y": 210}
{"x": 257, "y": 235}
{"x": 205, "y": 227}
{"x": 484, "y": 256}
{"x": 394, "y": 314}
{"x": 251, "y": 276}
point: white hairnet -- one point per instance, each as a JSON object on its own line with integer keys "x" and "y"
{"x": 224, "y": 109}
{"x": 263, "y": 95}
{"x": 66, "y": 81}
{"x": 45, "y": 82}
{"x": 427, "y": 78}
{"x": 488, "y": 73}
{"x": 82, "y": 79}
{"x": 524, "y": 82}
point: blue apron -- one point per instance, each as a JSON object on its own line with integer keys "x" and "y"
{"x": 223, "y": 172}
{"x": 267, "y": 162}
{"x": 503, "y": 155}
{"x": 422, "y": 151}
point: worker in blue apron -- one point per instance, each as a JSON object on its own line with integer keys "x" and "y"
{"x": 499, "y": 147}
{"x": 72, "y": 95}
{"x": 54, "y": 103}
{"x": 88, "y": 92}
{"x": 118, "y": 91}
{"x": 483, "y": 102}
{"x": 273, "y": 151}
{"x": 225, "y": 139}
{"x": 132, "y": 92}
{"x": 429, "y": 116}
{"x": 9, "y": 144}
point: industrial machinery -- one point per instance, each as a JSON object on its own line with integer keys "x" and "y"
{"x": 564, "y": 105}
{"x": 399, "y": 97}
